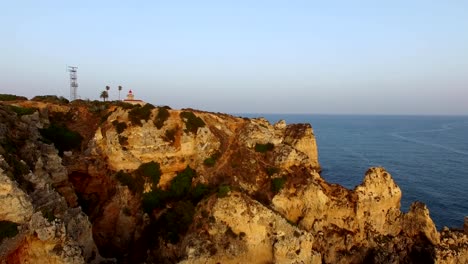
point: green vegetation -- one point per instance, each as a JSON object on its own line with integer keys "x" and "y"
{"x": 176, "y": 205}
{"x": 192, "y": 122}
{"x": 210, "y": 161}
{"x": 21, "y": 111}
{"x": 223, "y": 190}
{"x": 277, "y": 184}
{"x": 271, "y": 170}
{"x": 124, "y": 105}
{"x": 154, "y": 199}
{"x": 200, "y": 191}
{"x": 50, "y": 99}
{"x": 150, "y": 170}
{"x": 63, "y": 138}
{"x": 12, "y": 97}
{"x": 161, "y": 117}
{"x": 176, "y": 221}
{"x": 263, "y": 148}
{"x": 119, "y": 126}
{"x": 8, "y": 229}
{"x": 140, "y": 113}
{"x": 180, "y": 185}
{"x": 104, "y": 95}
{"x": 126, "y": 179}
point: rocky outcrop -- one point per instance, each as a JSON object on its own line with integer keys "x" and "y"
{"x": 253, "y": 194}
{"x": 16, "y": 205}
{"x": 241, "y": 230}
{"x": 33, "y": 190}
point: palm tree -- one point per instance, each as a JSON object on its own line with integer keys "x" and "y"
{"x": 107, "y": 89}
{"x": 120, "y": 89}
{"x": 104, "y": 95}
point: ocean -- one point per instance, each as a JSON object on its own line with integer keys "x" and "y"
{"x": 426, "y": 155}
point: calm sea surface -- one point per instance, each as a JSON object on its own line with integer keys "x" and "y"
{"x": 426, "y": 155}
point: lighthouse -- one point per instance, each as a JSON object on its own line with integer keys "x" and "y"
{"x": 131, "y": 99}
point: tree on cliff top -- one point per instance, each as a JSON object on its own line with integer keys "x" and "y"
{"x": 104, "y": 95}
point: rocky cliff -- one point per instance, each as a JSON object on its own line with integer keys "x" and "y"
{"x": 91, "y": 182}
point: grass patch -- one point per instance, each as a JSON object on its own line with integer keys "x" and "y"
{"x": 161, "y": 117}
{"x": 63, "y": 138}
{"x": 21, "y": 111}
{"x": 192, "y": 122}
{"x": 277, "y": 184}
{"x": 140, "y": 113}
{"x": 263, "y": 148}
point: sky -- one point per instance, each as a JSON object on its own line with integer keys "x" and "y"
{"x": 335, "y": 57}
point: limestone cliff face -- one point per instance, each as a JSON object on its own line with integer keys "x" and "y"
{"x": 241, "y": 230}
{"x": 230, "y": 190}
{"x": 16, "y": 205}
{"x": 34, "y": 191}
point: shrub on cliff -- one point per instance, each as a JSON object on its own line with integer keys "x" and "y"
{"x": 263, "y": 148}
{"x": 180, "y": 185}
{"x": 170, "y": 134}
{"x": 271, "y": 170}
{"x": 192, "y": 122}
{"x": 140, "y": 113}
{"x": 210, "y": 161}
{"x": 12, "y": 97}
{"x": 200, "y": 191}
{"x": 161, "y": 117}
{"x": 176, "y": 221}
{"x": 8, "y": 229}
{"x": 223, "y": 190}
{"x": 119, "y": 126}
{"x": 63, "y": 138}
{"x": 153, "y": 199}
{"x": 150, "y": 170}
{"x": 135, "y": 183}
{"x": 277, "y": 184}
{"x": 51, "y": 99}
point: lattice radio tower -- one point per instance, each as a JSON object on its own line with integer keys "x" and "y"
{"x": 73, "y": 82}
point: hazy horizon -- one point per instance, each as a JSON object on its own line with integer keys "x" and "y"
{"x": 295, "y": 57}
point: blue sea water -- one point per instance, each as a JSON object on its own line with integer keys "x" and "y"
{"x": 426, "y": 155}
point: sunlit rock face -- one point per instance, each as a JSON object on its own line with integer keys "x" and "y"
{"x": 266, "y": 201}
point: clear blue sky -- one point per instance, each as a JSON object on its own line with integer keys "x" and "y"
{"x": 357, "y": 57}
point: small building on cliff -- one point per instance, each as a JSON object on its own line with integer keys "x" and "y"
{"x": 131, "y": 99}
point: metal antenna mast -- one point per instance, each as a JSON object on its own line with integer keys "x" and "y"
{"x": 73, "y": 82}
